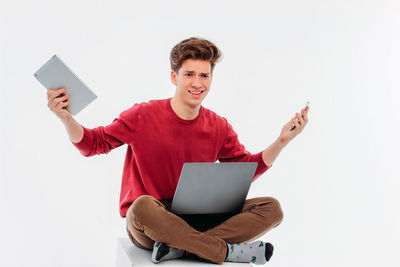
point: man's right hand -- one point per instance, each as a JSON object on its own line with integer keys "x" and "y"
{"x": 58, "y": 102}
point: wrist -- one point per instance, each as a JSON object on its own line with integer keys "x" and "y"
{"x": 67, "y": 120}
{"x": 281, "y": 142}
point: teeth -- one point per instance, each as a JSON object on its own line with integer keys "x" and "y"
{"x": 195, "y": 93}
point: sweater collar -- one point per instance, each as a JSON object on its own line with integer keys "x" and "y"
{"x": 180, "y": 120}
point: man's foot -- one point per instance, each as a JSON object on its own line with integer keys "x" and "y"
{"x": 163, "y": 252}
{"x": 257, "y": 252}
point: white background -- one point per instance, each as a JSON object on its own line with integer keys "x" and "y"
{"x": 337, "y": 182}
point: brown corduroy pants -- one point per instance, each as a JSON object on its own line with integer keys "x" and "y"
{"x": 149, "y": 220}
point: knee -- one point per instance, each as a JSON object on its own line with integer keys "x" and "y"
{"x": 277, "y": 210}
{"x": 271, "y": 209}
{"x": 140, "y": 206}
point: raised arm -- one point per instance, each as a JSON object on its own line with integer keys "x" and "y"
{"x": 287, "y": 134}
{"x": 99, "y": 140}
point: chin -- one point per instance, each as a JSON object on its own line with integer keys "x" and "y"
{"x": 193, "y": 103}
{"x": 190, "y": 101}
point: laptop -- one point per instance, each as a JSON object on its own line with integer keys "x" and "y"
{"x": 55, "y": 74}
{"x": 213, "y": 188}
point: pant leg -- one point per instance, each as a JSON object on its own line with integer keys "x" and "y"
{"x": 148, "y": 221}
{"x": 258, "y": 216}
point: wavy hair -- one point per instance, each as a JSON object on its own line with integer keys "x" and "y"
{"x": 194, "y": 48}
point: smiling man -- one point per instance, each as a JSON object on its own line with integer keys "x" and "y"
{"x": 164, "y": 134}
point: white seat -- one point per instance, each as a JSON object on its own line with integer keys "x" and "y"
{"x": 129, "y": 255}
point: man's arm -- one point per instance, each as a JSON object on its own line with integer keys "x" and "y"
{"x": 74, "y": 129}
{"x": 287, "y": 134}
{"x": 271, "y": 153}
{"x": 95, "y": 141}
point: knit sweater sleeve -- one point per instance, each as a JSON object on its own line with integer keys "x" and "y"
{"x": 103, "y": 139}
{"x": 232, "y": 150}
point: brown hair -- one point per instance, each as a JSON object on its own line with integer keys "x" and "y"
{"x": 194, "y": 48}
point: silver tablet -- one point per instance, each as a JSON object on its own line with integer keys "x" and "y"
{"x": 55, "y": 74}
{"x": 213, "y": 188}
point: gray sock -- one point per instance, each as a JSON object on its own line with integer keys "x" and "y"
{"x": 257, "y": 252}
{"x": 162, "y": 252}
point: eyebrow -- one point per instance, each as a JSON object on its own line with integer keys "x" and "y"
{"x": 191, "y": 71}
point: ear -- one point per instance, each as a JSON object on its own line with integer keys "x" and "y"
{"x": 173, "y": 77}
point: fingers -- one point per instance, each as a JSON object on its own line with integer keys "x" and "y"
{"x": 298, "y": 122}
{"x": 300, "y": 119}
{"x": 305, "y": 113}
{"x": 59, "y": 102}
{"x": 53, "y": 93}
{"x": 61, "y": 105}
{"x": 295, "y": 122}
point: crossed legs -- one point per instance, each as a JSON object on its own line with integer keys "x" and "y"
{"x": 148, "y": 221}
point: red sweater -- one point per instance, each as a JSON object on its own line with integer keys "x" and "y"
{"x": 159, "y": 142}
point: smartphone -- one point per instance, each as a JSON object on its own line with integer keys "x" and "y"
{"x": 307, "y": 103}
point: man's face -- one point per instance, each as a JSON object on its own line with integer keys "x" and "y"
{"x": 193, "y": 81}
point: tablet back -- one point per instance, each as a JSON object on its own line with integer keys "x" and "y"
{"x": 55, "y": 74}
{"x": 213, "y": 188}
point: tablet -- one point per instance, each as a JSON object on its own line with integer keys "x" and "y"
{"x": 55, "y": 74}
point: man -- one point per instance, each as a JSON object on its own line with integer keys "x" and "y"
{"x": 161, "y": 136}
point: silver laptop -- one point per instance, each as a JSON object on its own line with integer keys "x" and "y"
{"x": 213, "y": 188}
{"x": 55, "y": 74}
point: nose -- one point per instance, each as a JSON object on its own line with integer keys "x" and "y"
{"x": 196, "y": 82}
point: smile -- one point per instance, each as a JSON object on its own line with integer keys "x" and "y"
{"x": 196, "y": 92}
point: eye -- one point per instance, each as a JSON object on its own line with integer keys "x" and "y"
{"x": 188, "y": 74}
{"x": 205, "y": 75}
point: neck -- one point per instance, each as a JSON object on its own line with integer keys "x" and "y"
{"x": 183, "y": 111}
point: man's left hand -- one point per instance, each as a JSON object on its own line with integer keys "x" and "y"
{"x": 299, "y": 121}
